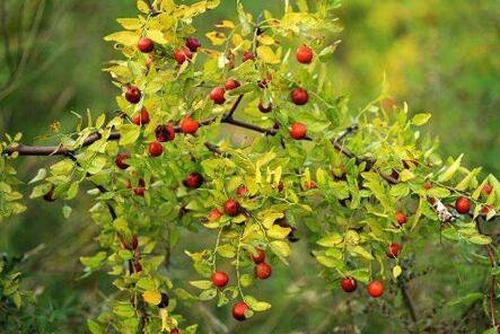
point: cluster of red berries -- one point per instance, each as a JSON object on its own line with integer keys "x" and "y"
{"x": 186, "y": 53}
{"x": 375, "y": 288}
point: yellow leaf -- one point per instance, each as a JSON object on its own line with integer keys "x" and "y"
{"x": 225, "y": 24}
{"x": 143, "y": 7}
{"x": 267, "y": 55}
{"x": 130, "y": 23}
{"x": 278, "y": 232}
{"x": 217, "y": 38}
{"x": 152, "y": 297}
{"x": 396, "y": 271}
{"x": 266, "y": 40}
{"x": 127, "y": 38}
{"x": 157, "y": 36}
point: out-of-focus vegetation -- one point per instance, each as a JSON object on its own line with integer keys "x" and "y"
{"x": 441, "y": 56}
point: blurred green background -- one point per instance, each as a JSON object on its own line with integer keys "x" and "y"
{"x": 440, "y": 56}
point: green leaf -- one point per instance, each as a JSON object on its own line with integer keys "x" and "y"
{"x": 363, "y": 252}
{"x": 204, "y": 284}
{"x": 66, "y": 210}
{"x": 94, "y": 327}
{"x": 420, "y": 119}
{"x": 42, "y": 173}
{"x": 332, "y": 240}
{"x": 278, "y": 232}
{"x": 208, "y": 295}
{"x": 448, "y": 174}
{"x": 480, "y": 240}
{"x": 280, "y": 248}
{"x": 129, "y": 133}
{"x": 467, "y": 299}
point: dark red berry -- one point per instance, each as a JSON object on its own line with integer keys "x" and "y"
{"x": 348, "y": 284}
{"x": 193, "y": 180}
{"x": 231, "y": 84}
{"x": 239, "y": 310}
{"x": 133, "y": 94}
{"x": 487, "y": 189}
{"x": 259, "y": 257}
{"x": 248, "y": 55}
{"x": 145, "y": 45}
{"x": 142, "y": 118}
{"x": 181, "y": 55}
{"x": 394, "y": 250}
{"x": 217, "y": 95}
{"x": 265, "y": 109}
{"x": 155, "y": 149}
{"x": 298, "y": 131}
{"x": 232, "y": 207}
{"x": 376, "y": 289}
{"x": 165, "y": 133}
{"x": 241, "y": 191}
{"x": 220, "y": 279}
{"x": 401, "y": 218}
{"x": 462, "y": 205}
{"x": 427, "y": 185}
{"x": 299, "y": 96}
{"x": 175, "y": 331}
{"x": 304, "y": 55}
{"x": 120, "y": 160}
{"x": 263, "y": 271}
{"x": 193, "y": 44}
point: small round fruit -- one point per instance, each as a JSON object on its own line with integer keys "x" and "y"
{"x": 164, "y": 301}
{"x": 239, "y": 310}
{"x": 263, "y": 271}
{"x": 214, "y": 215}
{"x": 311, "y": 185}
{"x": 193, "y": 44}
{"x": 232, "y": 207}
{"x": 487, "y": 189}
{"x": 394, "y": 250}
{"x": 231, "y": 84}
{"x": 193, "y": 180}
{"x": 165, "y": 133}
{"x": 133, "y": 94}
{"x": 248, "y": 55}
{"x": 299, "y": 96}
{"x": 189, "y": 125}
{"x": 486, "y": 209}
{"x": 175, "y": 331}
{"x": 304, "y": 54}
{"x": 427, "y": 185}
{"x": 259, "y": 257}
{"x": 145, "y": 45}
{"x": 376, "y": 289}
{"x": 298, "y": 131}
{"x": 181, "y": 55}
{"x": 155, "y": 149}
{"x": 401, "y": 218}
{"x": 142, "y": 118}
{"x": 241, "y": 191}
{"x": 217, "y": 95}
{"x": 220, "y": 279}
{"x": 462, "y": 205}
{"x": 348, "y": 284}
{"x": 265, "y": 109}
{"x": 120, "y": 160}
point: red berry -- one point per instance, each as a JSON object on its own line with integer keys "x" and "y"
{"x": 239, "y": 310}
{"x": 139, "y": 191}
{"x": 49, "y": 197}
{"x": 217, "y": 95}
{"x": 181, "y": 55}
{"x": 120, "y": 160}
{"x": 189, "y": 125}
{"x": 462, "y": 205}
{"x": 232, "y": 207}
{"x": 141, "y": 118}
{"x": 427, "y": 185}
{"x": 348, "y": 284}
{"x": 311, "y": 185}
{"x": 248, "y": 55}
{"x": 300, "y": 96}
{"x": 376, "y": 289}
{"x": 265, "y": 109}
{"x": 241, "y": 191}
{"x": 155, "y": 149}
{"x": 263, "y": 271}
{"x": 298, "y": 131}
{"x": 487, "y": 189}
{"x": 393, "y": 250}
{"x": 214, "y": 214}
{"x": 486, "y": 209}
{"x": 192, "y": 44}
{"x": 133, "y": 94}
{"x": 259, "y": 257}
{"x": 145, "y": 45}
{"x": 175, "y": 331}
{"x": 165, "y": 133}
{"x": 304, "y": 55}
{"x": 401, "y": 218}
{"x": 193, "y": 180}
{"x": 231, "y": 84}
{"x": 281, "y": 186}
{"x": 220, "y": 279}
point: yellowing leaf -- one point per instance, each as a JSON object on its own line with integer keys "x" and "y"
{"x": 278, "y": 232}
{"x": 268, "y": 55}
{"x": 280, "y": 248}
{"x": 127, "y": 38}
{"x": 448, "y": 174}
{"x": 396, "y": 271}
{"x": 217, "y": 38}
{"x": 266, "y": 40}
{"x": 152, "y": 297}
{"x": 420, "y": 119}
{"x": 130, "y": 23}
{"x": 225, "y": 24}
{"x": 157, "y": 36}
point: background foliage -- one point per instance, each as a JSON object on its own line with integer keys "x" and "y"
{"x": 438, "y": 55}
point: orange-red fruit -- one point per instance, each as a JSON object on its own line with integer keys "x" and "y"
{"x": 401, "y": 218}
{"x": 232, "y": 207}
{"x": 189, "y": 125}
{"x": 427, "y": 185}
{"x": 133, "y": 94}
{"x": 165, "y": 133}
{"x": 265, "y": 109}
{"x": 311, "y": 185}
{"x": 145, "y": 45}
{"x": 120, "y": 160}
{"x": 299, "y": 96}
{"x": 217, "y": 95}
{"x": 239, "y": 310}
{"x": 220, "y": 279}
{"x": 231, "y": 84}
{"x": 263, "y": 271}
{"x": 376, "y": 289}
{"x": 260, "y": 257}
{"x": 462, "y": 205}
{"x": 241, "y": 191}
{"x": 394, "y": 250}
{"x": 193, "y": 44}
{"x": 175, "y": 331}
{"x": 193, "y": 180}
{"x": 304, "y": 54}
{"x": 155, "y": 149}
{"x": 348, "y": 284}
{"x": 214, "y": 214}
{"x": 487, "y": 189}
{"x": 298, "y": 131}
{"x": 141, "y": 118}
{"x": 248, "y": 55}
{"x": 181, "y": 55}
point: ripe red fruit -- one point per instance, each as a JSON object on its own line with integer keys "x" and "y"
{"x": 231, "y": 84}
{"x": 263, "y": 271}
{"x": 239, "y": 310}
{"x": 193, "y": 180}
{"x": 214, "y": 214}
{"x": 486, "y": 209}
{"x": 311, "y": 185}
{"x": 265, "y": 109}
{"x": 298, "y": 131}
{"x": 220, "y": 279}
{"x": 133, "y": 94}
{"x": 248, "y": 55}
{"x": 165, "y": 133}
{"x": 141, "y": 118}
{"x": 427, "y": 185}
{"x": 348, "y": 284}
{"x": 49, "y": 197}
{"x": 189, "y": 125}
{"x": 259, "y": 257}
{"x": 393, "y": 250}
{"x": 155, "y": 149}
{"x": 181, "y": 55}
{"x": 241, "y": 191}
{"x": 232, "y": 207}
{"x": 145, "y": 45}
{"x": 175, "y": 331}
{"x": 401, "y": 218}
{"x": 487, "y": 189}
{"x": 304, "y": 54}
{"x": 192, "y": 44}
{"x": 120, "y": 160}
{"x": 140, "y": 189}
{"x": 217, "y": 95}
{"x": 376, "y": 289}
{"x": 299, "y": 96}
{"x": 462, "y": 205}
